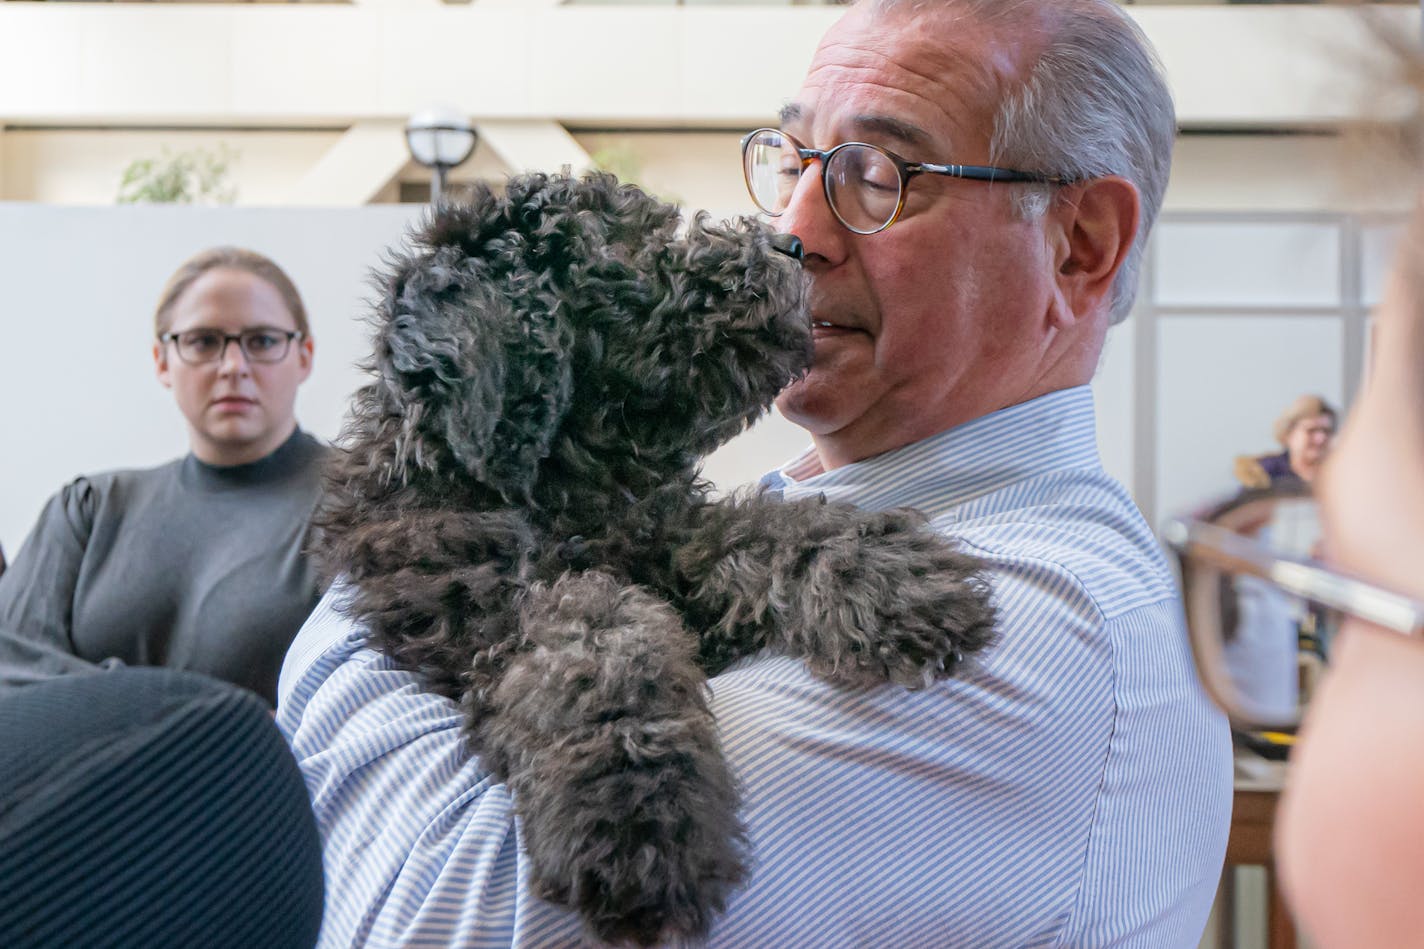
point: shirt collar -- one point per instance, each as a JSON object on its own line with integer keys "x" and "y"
{"x": 1050, "y": 433}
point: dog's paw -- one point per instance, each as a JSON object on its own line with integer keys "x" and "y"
{"x": 892, "y": 602}
{"x": 603, "y": 732}
{"x": 637, "y": 832}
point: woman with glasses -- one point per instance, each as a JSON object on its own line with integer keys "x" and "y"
{"x": 197, "y": 564}
{"x": 1304, "y": 431}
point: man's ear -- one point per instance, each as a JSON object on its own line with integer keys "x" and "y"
{"x": 160, "y": 363}
{"x": 1098, "y": 222}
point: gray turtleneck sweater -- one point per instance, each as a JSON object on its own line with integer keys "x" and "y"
{"x": 186, "y": 565}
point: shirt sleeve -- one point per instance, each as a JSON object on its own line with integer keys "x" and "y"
{"x": 419, "y": 841}
{"x": 37, "y": 591}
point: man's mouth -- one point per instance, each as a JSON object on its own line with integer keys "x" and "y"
{"x": 823, "y": 328}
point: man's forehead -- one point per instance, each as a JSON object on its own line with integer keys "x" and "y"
{"x": 875, "y": 125}
{"x": 917, "y": 78}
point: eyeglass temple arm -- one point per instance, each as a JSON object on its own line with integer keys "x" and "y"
{"x": 1230, "y": 552}
{"x": 985, "y": 173}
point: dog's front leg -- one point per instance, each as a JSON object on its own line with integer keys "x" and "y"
{"x": 864, "y": 597}
{"x": 602, "y": 731}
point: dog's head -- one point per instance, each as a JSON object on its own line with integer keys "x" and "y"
{"x": 566, "y": 328}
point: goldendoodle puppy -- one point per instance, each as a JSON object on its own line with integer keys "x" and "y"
{"x": 518, "y": 514}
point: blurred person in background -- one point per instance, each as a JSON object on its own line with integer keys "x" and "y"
{"x": 1305, "y": 431}
{"x": 197, "y": 564}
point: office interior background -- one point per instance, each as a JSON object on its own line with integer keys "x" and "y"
{"x": 1284, "y": 206}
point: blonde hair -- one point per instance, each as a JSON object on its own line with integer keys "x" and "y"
{"x": 1306, "y": 406}
{"x": 229, "y": 258}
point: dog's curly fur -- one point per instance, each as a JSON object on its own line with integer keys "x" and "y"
{"x": 518, "y": 512}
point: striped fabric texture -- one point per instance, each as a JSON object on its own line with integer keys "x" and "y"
{"x": 149, "y": 808}
{"x": 1071, "y": 788}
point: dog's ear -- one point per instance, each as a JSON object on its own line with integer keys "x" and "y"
{"x": 477, "y": 378}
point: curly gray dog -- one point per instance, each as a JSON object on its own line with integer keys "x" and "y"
{"x": 519, "y": 513}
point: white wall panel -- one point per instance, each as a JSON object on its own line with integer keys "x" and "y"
{"x": 1377, "y": 251}
{"x": 1114, "y": 397}
{"x": 1210, "y": 263}
{"x": 773, "y": 441}
{"x": 85, "y": 166}
{"x": 1287, "y": 173}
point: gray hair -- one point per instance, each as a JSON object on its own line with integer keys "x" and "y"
{"x": 1095, "y": 103}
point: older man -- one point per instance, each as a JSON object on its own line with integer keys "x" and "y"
{"x": 1071, "y": 788}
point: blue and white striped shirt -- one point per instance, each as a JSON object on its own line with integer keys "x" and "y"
{"x": 1072, "y": 788}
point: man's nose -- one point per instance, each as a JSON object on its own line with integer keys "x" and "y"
{"x": 809, "y": 217}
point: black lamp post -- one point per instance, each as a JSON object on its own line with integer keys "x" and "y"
{"x": 440, "y": 138}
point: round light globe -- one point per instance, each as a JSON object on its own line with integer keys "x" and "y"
{"x": 440, "y": 136}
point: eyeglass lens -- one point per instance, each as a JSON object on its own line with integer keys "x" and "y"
{"x": 862, "y": 183}
{"x": 258, "y": 345}
{"x": 1269, "y": 647}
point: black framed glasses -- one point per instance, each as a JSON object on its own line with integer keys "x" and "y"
{"x": 201, "y": 345}
{"x": 864, "y": 184}
{"x": 1263, "y": 611}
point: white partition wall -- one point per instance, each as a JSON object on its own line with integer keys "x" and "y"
{"x": 1245, "y": 262}
{"x": 1378, "y": 240}
{"x": 1114, "y": 399}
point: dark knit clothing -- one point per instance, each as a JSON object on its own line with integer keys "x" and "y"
{"x": 148, "y": 808}
{"x": 186, "y": 565}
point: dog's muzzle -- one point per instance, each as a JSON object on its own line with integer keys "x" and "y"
{"x": 788, "y": 244}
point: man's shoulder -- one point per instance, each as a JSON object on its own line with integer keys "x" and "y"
{"x": 327, "y": 641}
{"x": 333, "y": 680}
{"x": 1078, "y": 528}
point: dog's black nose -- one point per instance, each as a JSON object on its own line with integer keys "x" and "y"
{"x": 788, "y": 244}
